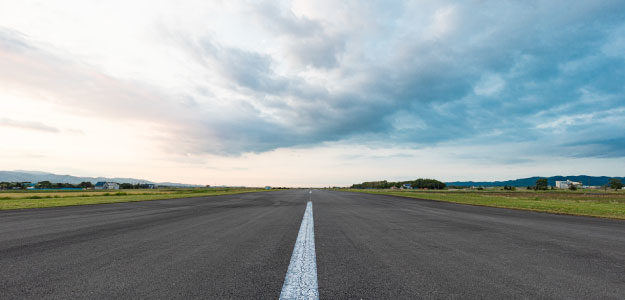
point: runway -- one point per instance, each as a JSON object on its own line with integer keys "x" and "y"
{"x": 366, "y": 246}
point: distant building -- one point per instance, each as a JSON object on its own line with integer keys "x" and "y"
{"x": 150, "y": 186}
{"x": 106, "y": 186}
{"x": 394, "y": 188}
{"x": 406, "y": 186}
{"x": 267, "y": 187}
{"x": 567, "y": 184}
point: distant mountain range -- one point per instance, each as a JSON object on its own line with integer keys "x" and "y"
{"x": 531, "y": 181}
{"x": 37, "y": 176}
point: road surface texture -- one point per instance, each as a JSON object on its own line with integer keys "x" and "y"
{"x": 367, "y": 246}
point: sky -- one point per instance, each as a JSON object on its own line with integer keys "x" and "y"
{"x": 313, "y": 93}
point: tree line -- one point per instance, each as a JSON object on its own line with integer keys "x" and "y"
{"x": 42, "y": 185}
{"x": 58, "y": 185}
{"x": 420, "y": 183}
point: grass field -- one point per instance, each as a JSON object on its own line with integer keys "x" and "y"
{"x": 596, "y": 203}
{"x": 38, "y": 199}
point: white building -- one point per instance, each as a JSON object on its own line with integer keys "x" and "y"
{"x": 106, "y": 186}
{"x": 567, "y": 184}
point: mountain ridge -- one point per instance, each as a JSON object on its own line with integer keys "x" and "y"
{"x": 37, "y": 176}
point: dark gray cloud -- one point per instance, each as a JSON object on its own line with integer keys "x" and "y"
{"x": 602, "y": 148}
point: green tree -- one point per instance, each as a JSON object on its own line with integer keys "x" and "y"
{"x": 417, "y": 184}
{"x": 615, "y": 184}
{"x": 86, "y": 184}
{"x": 509, "y": 188}
{"x": 44, "y": 185}
{"x": 573, "y": 187}
{"x": 125, "y": 186}
{"x": 542, "y": 184}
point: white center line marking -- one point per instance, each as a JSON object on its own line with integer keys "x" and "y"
{"x": 301, "y": 277}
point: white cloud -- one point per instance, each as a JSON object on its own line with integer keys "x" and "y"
{"x": 444, "y": 21}
{"x": 27, "y": 125}
{"x": 489, "y": 85}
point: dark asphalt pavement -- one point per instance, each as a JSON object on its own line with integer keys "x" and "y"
{"x": 367, "y": 246}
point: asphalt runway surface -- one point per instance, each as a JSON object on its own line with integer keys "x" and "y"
{"x": 367, "y": 247}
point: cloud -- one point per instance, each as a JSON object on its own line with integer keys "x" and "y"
{"x": 13, "y": 40}
{"x": 306, "y": 42}
{"x": 28, "y": 125}
{"x": 413, "y": 74}
{"x": 593, "y": 147}
{"x": 489, "y": 85}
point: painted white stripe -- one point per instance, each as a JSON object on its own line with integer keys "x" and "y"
{"x": 301, "y": 277}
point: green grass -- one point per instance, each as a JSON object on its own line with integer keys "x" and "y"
{"x": 50, "y": 199}
{"x": 595, "y": 203}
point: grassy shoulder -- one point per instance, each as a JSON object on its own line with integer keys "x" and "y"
{"x": 39, "y": 199}
{"x": 583, "y": 203}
